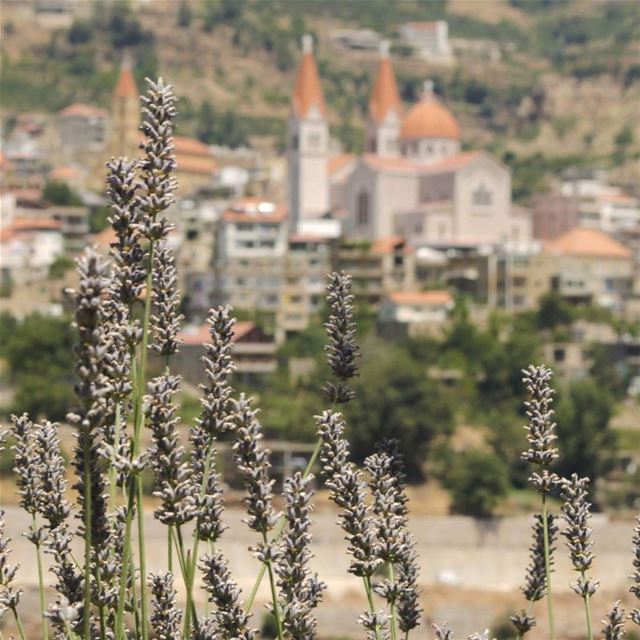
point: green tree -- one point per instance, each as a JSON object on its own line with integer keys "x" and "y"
{"x": 478, "y": 481}
{"x": 584, "y": 437}
{"x": 395, "y": 399}
{"x": 553, "y": 311}
{"x": 39, "y": 353}
{"x": 60, "y": 266}
{"x": 184, "y": 14}
{"x": 60, "y": 193}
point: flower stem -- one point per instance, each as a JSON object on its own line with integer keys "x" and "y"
{"x": 86, "y": 473}
{"x": 45, "y": 626}
{"x": 185, "y": 567}
{"x": 587, "y": 610}
{"x": 372, "y": 608}
{"x": 547, "y": 564}
{"x": 392, "y": 604}
{"x": 112, "y": 466}
{"x": 18, "y": 623}
{"x": 274, "y": 593}
{"x": 126, "y": 561}
{"x": 278, "y": 531}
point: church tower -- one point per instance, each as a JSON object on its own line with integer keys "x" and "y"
{"x": 125, "y": 114}
{"x": 307, "y": 143}
{"x": 383, "y": 122}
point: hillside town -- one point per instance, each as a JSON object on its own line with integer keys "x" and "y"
{"x": 417, "y": 219}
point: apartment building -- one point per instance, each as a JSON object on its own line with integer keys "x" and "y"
{"x": 252, "y": 244}
{"x": 430, "y": 40}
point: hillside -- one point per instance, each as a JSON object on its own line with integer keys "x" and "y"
{"x": 566, "y": 89}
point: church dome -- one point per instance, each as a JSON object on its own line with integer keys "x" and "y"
{"x": 429, "y": 118}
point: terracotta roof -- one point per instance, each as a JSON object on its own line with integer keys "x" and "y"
{"x": 83, "y": 110}
{"x": 389, "y": 244}
{"x": 105, "y": 238}
{"x": 385, "y": 96}
{"x": 335, "y": 163}
{"x": 383, "y": 163}
{"x": 306, "y": 237}
{"x": 588, "y": 243}
{"x": 427, "y": 26}
{"x": 191, "y": 164}
{"x": 426, "y": 298}
{"x": 33, "y": 224}
{"x": 191, "y": 146}
{"x": 65, "y": 173}
{"x": 452, "y": 163}
{"x": 200, "y": 335}
{"x": 429, "y": 118}
{"x": 126, "y": 86}
{"x": 308, "y": 91}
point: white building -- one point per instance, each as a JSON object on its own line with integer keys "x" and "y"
{"x": 430, "y": 40}
{"x": 83, "y": 127}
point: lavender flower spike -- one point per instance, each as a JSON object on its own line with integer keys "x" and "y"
{"x": 443, "y": 632}
{"x": 166, "y": 617}
{"x": 635, "y": 587}
{"x": 614, "y": 624}
{"x": 535, "y": 580}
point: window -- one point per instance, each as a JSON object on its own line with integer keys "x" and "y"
{"x": 362, "y": 209}
{"x": 559, "y": 354}
{"x": 482, "y": 197}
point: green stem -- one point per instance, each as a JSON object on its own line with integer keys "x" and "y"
{"x": 274, "y": 592}
{"x": 372, "y": 608}
{"x": 170, "y": 548}
{"x": 126, "y": 559}
{"x": 587, "y": 610}
{"x": 278, "y": 531}
{"x": 86, "y": 620}
{"x": 547, "y": 564}
{"x": 45, "y": 626}
{"x": 112, "y": 466}
{"x": 69, "y": 631}
{"x": 392, "y": 604}
{"x": 18, "y": 623}
{"x": 185, "y": 566}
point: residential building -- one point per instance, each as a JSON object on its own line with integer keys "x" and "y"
{"x": 252, "y": 242}
{"x": 377, "y": 268}
{"x": 74, "y": 225}
{"x": 430, "y": 40}
{"x": 414, "y": 313}
{"x": 253, "y": 352}
{"x": 357, "y": 39}
{"x": 587, "y": 265}
{"x": 83, "y": 127}
{"x": 308, "y": 261}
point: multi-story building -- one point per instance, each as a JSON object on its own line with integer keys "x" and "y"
{"x": 430, "y": 40}
{"x": 252, "y": 242}
{"x": 377, "y": 268}
{"x": 308, "y": 260}
{"x": 414, "y": 313}
{"x": 83, "y": 127}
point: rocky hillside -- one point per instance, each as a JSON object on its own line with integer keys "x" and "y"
{"x": 556, "y": 82}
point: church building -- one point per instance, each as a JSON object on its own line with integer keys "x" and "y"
{"x": 413, "y": 179}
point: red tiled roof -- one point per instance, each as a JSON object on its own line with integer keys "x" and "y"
{"x": 335, "y": 163}
{"x": 191, "y": 146}
{"x": 427, "y": 26}
{"x": 126, "y": 86}
{"x": 427, "y": 298}
{"x": 190, "y": 164}
{"x": 200, "y": 335}
{"x": 429, "y": 118}
{"x": 83, "y": 110}
{"x": 308, "y": 90}
{"x": 390, "y": 244}
{"x": 385, "y": 96}
{"x": 65, "y": 173}
{"x": 105, "y": 238}
{"x": 588, "y": 243}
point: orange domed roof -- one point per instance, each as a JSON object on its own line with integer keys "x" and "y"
{"x": 429, "y": 119}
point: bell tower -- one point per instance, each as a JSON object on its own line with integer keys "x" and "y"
{"x": 125, "y": 113}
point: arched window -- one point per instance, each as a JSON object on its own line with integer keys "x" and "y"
{"x": 362, "y": 208}
{"x": 482, "y": 197}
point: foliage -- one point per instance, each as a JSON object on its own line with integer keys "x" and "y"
{"x": 40, "y": 360}
{"x": 394, "y": 399}
{"x": 584, "y": 438}
{"x": 184, "y": 14}
{"x": 60, "y": 266}
{"x": 98, "y": 219}
{"x": 478, "y": 481}
{"x": 60, "y": 193}
{"x": 554, "y": 311}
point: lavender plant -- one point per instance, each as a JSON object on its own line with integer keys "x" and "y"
{"x": 104, "y": 593}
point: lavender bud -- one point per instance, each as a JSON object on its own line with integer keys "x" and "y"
{"x": 614, "y": 623}
{"x": 166, "y": 617}
{"x": 443, "y": 632}
{"x": 165, "y": 320}
{"x": 536, "y": 580}
{"x": 635, "y": 587}
{"x": 9, "y": 594}
{"x": 523, "y": 622}
{"x": 342, "y": 350}
{"x": 26, "y": 463}
{"x": 540, "y": 428}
